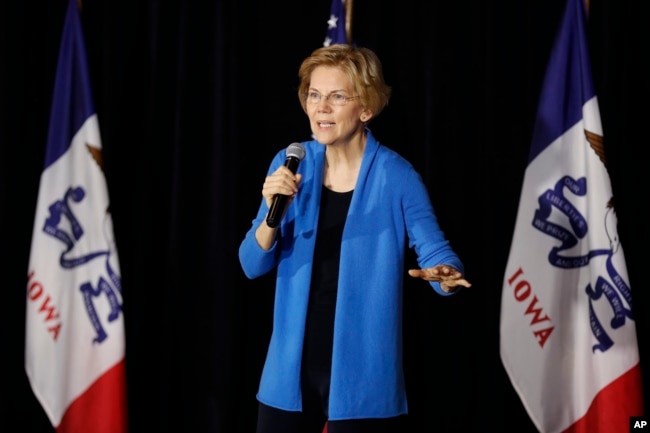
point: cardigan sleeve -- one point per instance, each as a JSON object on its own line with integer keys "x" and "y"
{"x": 254, "y": 260}
{"x": 425, "y": 235}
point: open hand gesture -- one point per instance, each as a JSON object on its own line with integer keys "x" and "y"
{"x": 448, "y": 277}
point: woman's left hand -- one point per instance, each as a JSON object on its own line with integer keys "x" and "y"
{"x": 448, "y": 277}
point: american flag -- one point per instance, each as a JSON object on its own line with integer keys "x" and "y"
{"x": 336, "y": 29}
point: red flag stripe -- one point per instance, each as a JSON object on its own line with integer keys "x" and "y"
{"x": 609, "y": 411}
{"x": 101, "y": 408}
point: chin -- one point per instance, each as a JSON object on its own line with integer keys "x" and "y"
{"x": 320, "y": 138}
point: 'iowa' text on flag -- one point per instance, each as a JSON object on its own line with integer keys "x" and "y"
{"x": 74, "y": 341}
{"x": 568, "y": 337}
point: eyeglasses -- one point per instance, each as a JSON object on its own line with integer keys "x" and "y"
{"x": 333, "y": 98}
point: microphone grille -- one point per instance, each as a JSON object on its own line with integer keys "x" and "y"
{"x": 296, "y": 150}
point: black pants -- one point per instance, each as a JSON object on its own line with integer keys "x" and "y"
{"x": 315, "y": 390}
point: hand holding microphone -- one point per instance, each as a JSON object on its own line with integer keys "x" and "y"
{"x": 279, "y": 202}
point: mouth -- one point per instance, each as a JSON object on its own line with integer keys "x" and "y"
{"x": 325, "y": 124}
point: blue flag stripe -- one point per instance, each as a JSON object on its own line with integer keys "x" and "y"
{"x": 72, "y": 101}
{"x": 560, "y": 105}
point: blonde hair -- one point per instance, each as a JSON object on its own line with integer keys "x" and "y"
{"x": 362, "y": 67}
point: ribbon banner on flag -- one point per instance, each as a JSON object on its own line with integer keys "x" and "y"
{"x": 568, "y": 337}
{"x": 74, "y": 341}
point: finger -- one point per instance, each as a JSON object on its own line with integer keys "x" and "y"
{"x": 420, "y": 273}
{"x": 279, "y": 184}
{"x": 459, "y": 282}
{"x": 425, "y": 275}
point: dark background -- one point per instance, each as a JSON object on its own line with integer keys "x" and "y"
{"x": 195, "y": 97}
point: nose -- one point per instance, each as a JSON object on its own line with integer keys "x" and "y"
{"x": 323, "y": 105}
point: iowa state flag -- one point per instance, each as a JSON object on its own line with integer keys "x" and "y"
{"x": 74, "y": 342}
{"x": 568, "y": 337}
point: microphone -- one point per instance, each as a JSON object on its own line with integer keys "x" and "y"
{"x": 295, "y": 153}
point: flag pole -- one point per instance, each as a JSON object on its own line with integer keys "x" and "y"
{"x": 348, "y": 20}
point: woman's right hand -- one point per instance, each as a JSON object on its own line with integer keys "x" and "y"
{"x": 281, "y": 181}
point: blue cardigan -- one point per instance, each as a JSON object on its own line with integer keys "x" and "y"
{"x": 390, "y": 209}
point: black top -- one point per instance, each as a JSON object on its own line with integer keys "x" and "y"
{"x": 319, "y": 332}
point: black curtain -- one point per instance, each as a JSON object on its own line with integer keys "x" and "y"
{"x": 193, "y": 100}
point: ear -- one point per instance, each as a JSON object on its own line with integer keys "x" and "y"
{"x": 366, "y": 115}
